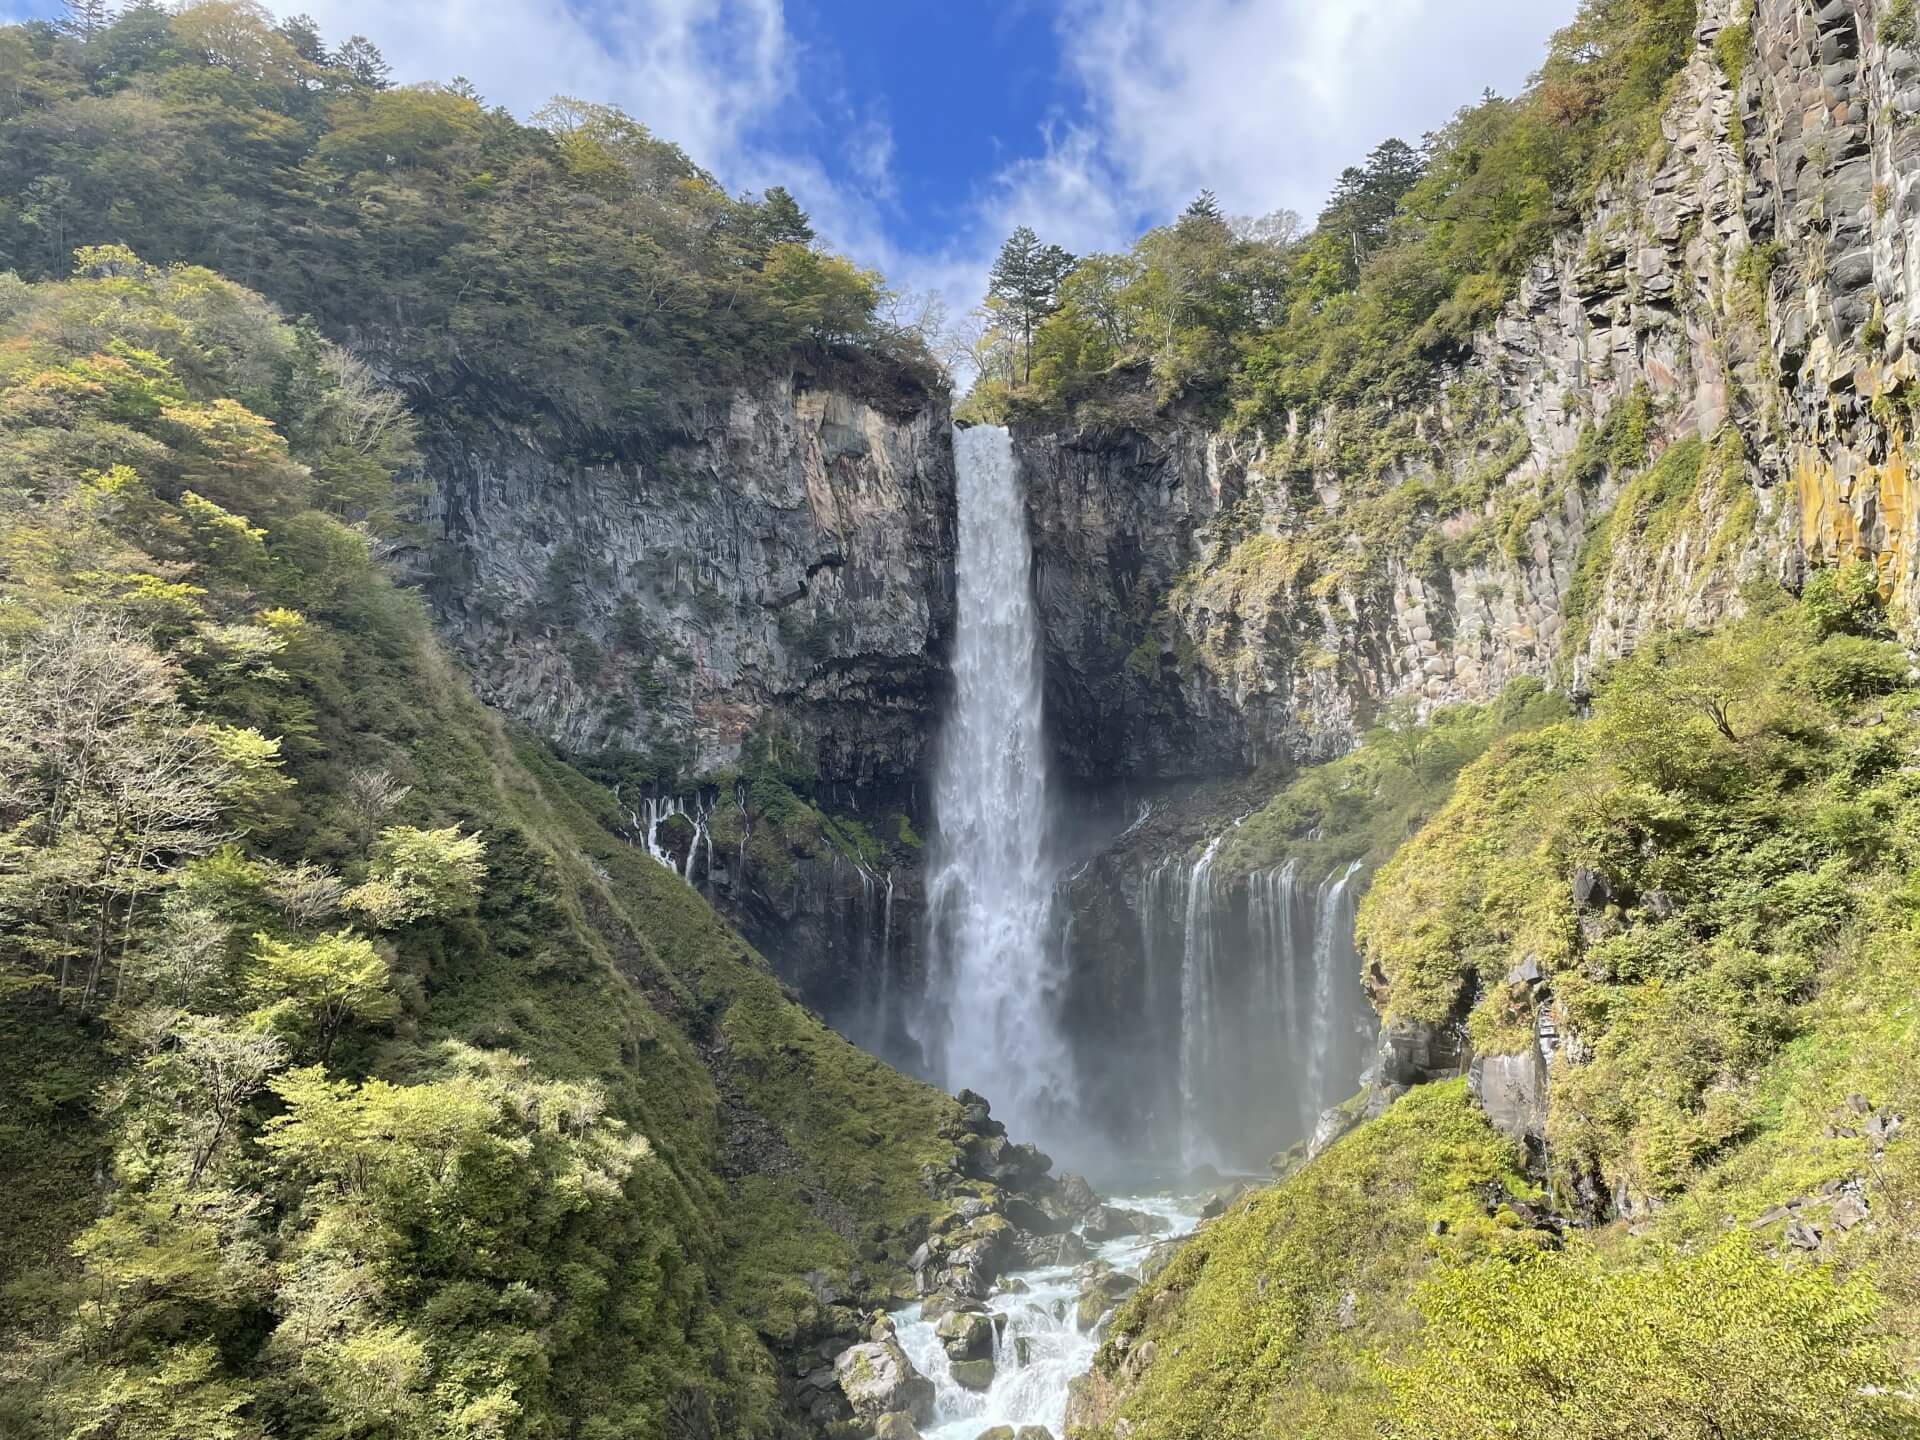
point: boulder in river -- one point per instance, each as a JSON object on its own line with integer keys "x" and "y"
{"x": 1072, "y": 1199}
{"x": 973, "y": 1374}
{"x": 1100, "y": 1296}
{"x": 1111, "y": 1222}
{"x": 878, "y": 1378}
{"x": 1044, "y": 1250}
{"x": 966, "y": 1262}
{"x": 896, "y": 1425}
{"x": 966, "y": 1335}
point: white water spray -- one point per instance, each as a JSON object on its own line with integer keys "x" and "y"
{"x": 1199, "y": 983}
{"x": 990, "y": 885}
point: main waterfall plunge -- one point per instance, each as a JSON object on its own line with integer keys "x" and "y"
{"x": 990, "y": 1019}
{"x": 1135, "y": 1003}
{"x": 1215, "y": 1032}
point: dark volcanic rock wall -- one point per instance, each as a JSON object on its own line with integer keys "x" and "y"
{"x": 1216, "y": 601}
{"x": 785, "y": 565}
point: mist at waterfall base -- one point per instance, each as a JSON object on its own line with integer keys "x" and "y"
{"x": 1217, "y": 1036}
{"x": 1252, "y": 1018}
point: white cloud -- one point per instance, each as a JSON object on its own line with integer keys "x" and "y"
{"x": 1262, "y": 101}
{"x": 703, "y": 73}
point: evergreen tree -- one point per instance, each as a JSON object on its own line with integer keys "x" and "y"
{"x": 786, "y": 223}
{"x": 84, "y": 19}
{"x": 1025, "y": 279}
{"x": 1366, "y": 198}
{"x": 304, "y": 35}
{"x": 361, "y": 59}
{"x": 1202, "y": 207}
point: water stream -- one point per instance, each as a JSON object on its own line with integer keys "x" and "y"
{"x": 990, "y": 1016}
{"x": 1272, "y": 1024}
{"x": 1039, "y": 1324}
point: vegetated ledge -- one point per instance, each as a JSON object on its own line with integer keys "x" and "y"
{"x": 1714, "y": 938}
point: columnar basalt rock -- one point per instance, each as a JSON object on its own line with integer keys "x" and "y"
{"x": 784, "y": 563}
{"x": 1214, "y": 601}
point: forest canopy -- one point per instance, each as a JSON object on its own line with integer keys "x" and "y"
{"x": 1254, "y": 319}
{"x": 573, "y": 266}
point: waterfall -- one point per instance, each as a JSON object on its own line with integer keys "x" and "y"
{"x": 1199, "y": 1012}
{"x": 1333, "y": 956}
{"x": 1282, "y": 1011}
{"x": 1265, "y": 983}
{"x": 993, "y": 975}
{"x": 655, "y": 810}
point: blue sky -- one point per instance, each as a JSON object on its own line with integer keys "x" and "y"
{"x": 919, "y": 132}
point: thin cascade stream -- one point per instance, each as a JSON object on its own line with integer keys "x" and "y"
{"x": 1270, "y": 1019}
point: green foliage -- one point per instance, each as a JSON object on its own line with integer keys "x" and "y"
{"x": 1897, "y": 26}
{"x": 1736, "y": 792}
{"x": 315, "y": 987}
{"x": 491, "y": 1202}
{"x": 577, "y": 273}
{"x": 1413, "y": 253}
{"x": 1246, "y": 1318}
{"x": 1564, "y": 1345}
{"x": 1365, "y": 804}
{"x": 416, "y": 874}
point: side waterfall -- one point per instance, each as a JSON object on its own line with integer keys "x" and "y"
{"x": 1272, "y": 1024}
{"x": 991, "y": 1021}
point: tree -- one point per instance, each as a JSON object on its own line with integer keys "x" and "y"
{"x": 779, "y": 219}
{"x": 418, "y": 874}
{"x": 319, "y": 985}
{"x": 361, "y": 59}
{"x": 1025, "y": 279}
{"x": 822, "y": 296}
{"x": 372, "y": 795}
{"x": 84, "y": 19}
{"x": 304, "y": 36}
{"x": 1203, "y": 207}
{"x": 210, "y": 1068}
{"x": 1365, "y": 200}
{"x": 107, "y": 784}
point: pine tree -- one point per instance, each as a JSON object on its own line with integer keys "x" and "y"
{"x": 1026, "y": 280}
{"x": 362, "y": 60}
{"x": 1202, "y": 207}
{"x": 84, "y": 19}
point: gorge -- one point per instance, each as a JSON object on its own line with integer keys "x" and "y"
{"x": 1311, "y": 833}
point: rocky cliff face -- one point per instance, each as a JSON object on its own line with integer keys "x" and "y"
{"x": 1216, "y": 601}
{"x": 785, "y": 565}
{"x": 767, "y": 593}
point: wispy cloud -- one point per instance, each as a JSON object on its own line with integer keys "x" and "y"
{"x": 705, "y": 73}
{"x": 1261, "y": 101}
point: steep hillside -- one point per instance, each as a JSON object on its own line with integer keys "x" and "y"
{"x": 359, "y": 1064}
{"x": 682, "y": 499}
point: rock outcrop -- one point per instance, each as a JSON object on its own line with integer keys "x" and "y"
{"x": 1212, "y": 601}
{"x": 783, "y": 565}
{"x": 878, "y": 1379}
